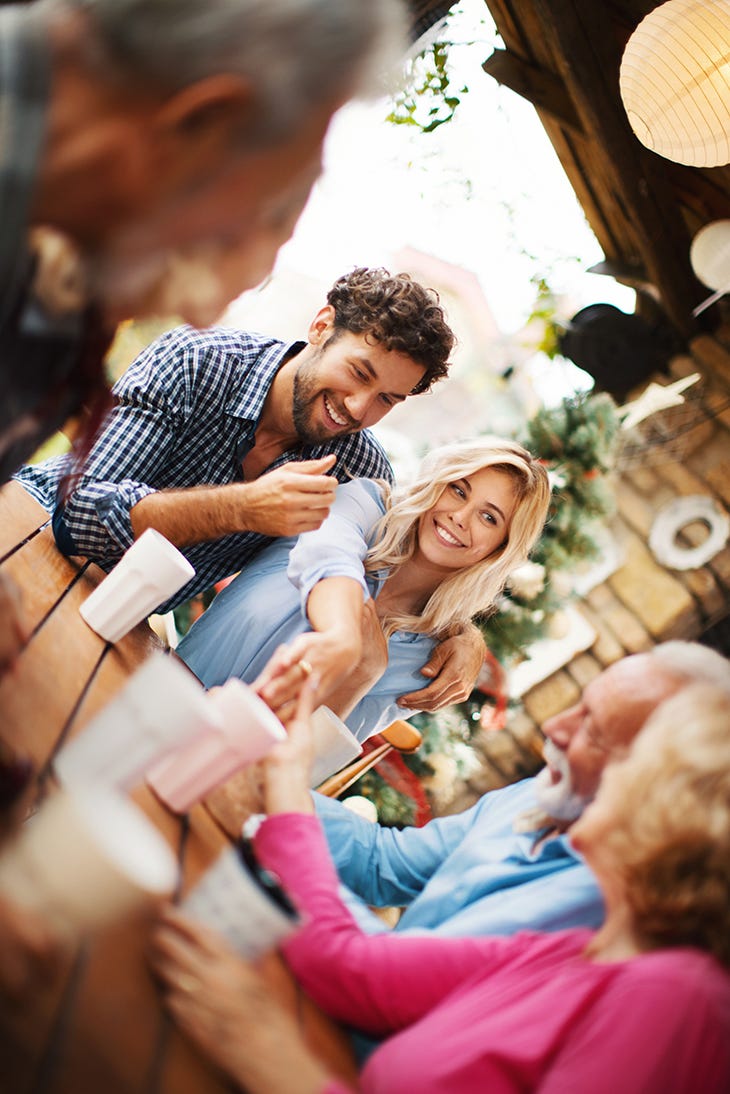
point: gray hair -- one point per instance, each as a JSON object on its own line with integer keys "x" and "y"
{"x": 296, "y": 54}
{"x": 692, "y": 663}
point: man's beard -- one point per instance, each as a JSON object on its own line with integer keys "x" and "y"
{"x": 304, "y": 393}
{"x": 558, "y": 800}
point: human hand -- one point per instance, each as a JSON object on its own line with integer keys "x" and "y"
{"x": 224, "y": 1006}
{"x": 13, "y": 630}
{"x": 454, "y": 666}
{"x": 289, "y": 500}
{"x": 327, "y": 656}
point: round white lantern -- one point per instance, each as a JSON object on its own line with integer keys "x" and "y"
{"x": 709, "y": 255}
{"x": 675, "y": 81}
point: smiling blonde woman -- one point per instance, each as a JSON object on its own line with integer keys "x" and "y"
{"x": 362, "y": 601}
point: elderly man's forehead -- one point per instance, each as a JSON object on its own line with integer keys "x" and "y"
{"x": 625, "y": 694}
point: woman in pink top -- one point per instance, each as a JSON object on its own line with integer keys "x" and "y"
{"x": 641, "y": 1006}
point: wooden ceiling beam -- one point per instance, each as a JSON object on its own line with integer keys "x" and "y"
{"x": 587, "y": 58}
{"x": 540, "y": 87}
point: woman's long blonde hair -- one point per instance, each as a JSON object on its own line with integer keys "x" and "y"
{"x": 473, "y": 590}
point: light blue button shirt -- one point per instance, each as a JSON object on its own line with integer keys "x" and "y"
{"x": 265, "y": 606}
{"x": 468, "y": 874}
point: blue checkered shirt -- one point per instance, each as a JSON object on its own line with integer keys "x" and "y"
{"x": 185, "y": 415}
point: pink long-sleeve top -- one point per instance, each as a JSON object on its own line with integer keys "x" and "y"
{"x": 500, "y": 1015}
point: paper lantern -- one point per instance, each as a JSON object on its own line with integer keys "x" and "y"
{"x": 710, "y": 255}
{"x": 675, "y": 81}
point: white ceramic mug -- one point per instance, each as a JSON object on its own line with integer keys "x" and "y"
{"x": 85, "y": 859}
{"x": 147, "y": 574}
{"x": 334, "y": 745}
{"x": 160, "y": 708}
{"x": 244, "y": 732}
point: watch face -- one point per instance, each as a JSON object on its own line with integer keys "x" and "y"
{"x": 268, "y": 881}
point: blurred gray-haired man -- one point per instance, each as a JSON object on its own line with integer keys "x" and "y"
{"x": 154, "y": 155}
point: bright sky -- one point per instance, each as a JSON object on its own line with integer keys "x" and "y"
{"x": 485, "y": 191}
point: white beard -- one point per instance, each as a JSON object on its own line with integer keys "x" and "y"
{"x": 558, "y": 799}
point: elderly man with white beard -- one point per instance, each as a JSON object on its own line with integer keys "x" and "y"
{"x": 507, "y": 864}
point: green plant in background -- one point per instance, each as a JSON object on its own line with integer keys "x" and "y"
{"x": 576, "y": 440}
{"x": 543, "y": 312}
{"x": 428, "y": 99}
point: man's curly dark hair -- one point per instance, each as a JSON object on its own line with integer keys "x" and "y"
{"x": 397, "y": 312}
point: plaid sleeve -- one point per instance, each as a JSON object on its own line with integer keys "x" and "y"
{"x": 361, "y": 456}
{"x": 152, "y": 400}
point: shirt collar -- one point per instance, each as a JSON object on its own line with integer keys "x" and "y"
{"x": 247, "y": 399}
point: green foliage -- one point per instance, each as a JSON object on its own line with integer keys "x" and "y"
{"x": 428, "y": 99}
{"x": 451, "y": 732}
{"x": 395, "y": 810}
{"x": 577, "y": 435}
{"x": 518, "y": 623}
{"x": 544, "y": 312}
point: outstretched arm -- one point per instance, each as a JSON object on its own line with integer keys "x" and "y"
{"x": 376, "y": 982}
{"x": 387, "y": 866}
{"x": 371, "y": 666}
{"x": 328, "y": 652}
{"x": 327, "y": 566}
{"x": 151, "y": 464}
{"x": 453, "y": 670}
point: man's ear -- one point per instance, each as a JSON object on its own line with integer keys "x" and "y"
{"x": 321, "y": 326}
{"x": 209, "y": 116}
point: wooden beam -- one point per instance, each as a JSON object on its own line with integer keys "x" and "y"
{"x": 540, "y": 87}
{"x": 635, "y": 277}
{"x": 587, "y": 56}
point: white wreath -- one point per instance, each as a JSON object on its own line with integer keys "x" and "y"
{"x": 670, "y": 520}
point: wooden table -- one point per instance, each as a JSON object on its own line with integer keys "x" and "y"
{"x": 98, "y": 1027}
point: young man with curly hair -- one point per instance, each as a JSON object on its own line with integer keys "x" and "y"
{"x": 223, "y": 439}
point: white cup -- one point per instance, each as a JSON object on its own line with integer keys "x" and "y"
{"x": 245, "y": 731}
{"x": 87, "y": 858}
{"x": 160, "y": 708}
{"x": 145, "y": 576}
{"x": 334, "y": 745}
{"x": 244, "y": 903}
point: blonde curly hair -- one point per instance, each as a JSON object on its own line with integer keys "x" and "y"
{"x": 473, "y": 590}
{"x": 673, "y": 848}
